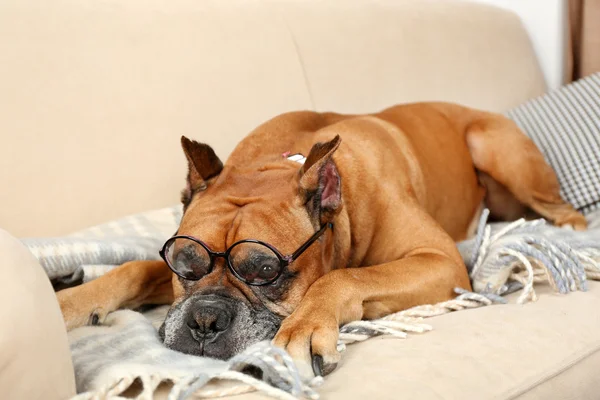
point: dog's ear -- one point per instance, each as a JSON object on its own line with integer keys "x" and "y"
{"x": 203, "y": 164}
{"x": 320, "y": 181}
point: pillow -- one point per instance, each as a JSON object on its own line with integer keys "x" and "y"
{"x": 565, "y": 125}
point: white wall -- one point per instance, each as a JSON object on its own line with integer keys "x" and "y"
{"x": 546, "y": 21}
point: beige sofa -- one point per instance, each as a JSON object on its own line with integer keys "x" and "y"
{"x": 94, "y": 97}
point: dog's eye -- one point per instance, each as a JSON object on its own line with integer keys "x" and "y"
{"x": 188, "y": 259}
{"x": 254, "y": 263}
{"x": 190, "y": 263}
{"x": 268, "y": 272}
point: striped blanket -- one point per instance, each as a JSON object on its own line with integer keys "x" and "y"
{"x": 92, "y": 252}
{"x": 126, "y": 350}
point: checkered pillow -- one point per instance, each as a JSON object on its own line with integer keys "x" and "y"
{"x": 565, "y": 125}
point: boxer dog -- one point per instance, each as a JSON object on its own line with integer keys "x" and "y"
{"x": 365, "y": 226}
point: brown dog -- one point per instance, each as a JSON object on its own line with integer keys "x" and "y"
{"x": 388, "y": 195}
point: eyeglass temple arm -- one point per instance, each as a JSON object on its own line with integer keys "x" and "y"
{"x": 310, "y": 241}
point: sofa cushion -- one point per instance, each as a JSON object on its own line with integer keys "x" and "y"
{"x": 565, "y": 125}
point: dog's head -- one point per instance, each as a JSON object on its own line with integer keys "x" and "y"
{"x": 241, "y": 291}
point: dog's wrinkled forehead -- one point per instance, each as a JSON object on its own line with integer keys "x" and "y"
{"x": 280, "y": 224}
{"x": 247, "y": 203}
{"x": 267, "y": 181}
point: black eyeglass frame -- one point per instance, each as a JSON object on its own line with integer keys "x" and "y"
{"x": 284, "y": 260}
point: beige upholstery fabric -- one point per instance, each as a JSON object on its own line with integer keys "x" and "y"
{"x": 365, "y": 56}
{"x": 94, "y": 95}
{"x": 35, "y": 362}
{"x": 501, "y": 352}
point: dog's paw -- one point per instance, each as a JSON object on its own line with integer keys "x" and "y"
{"x": 311, "y": 340}
{"x": 577, "y": 223}
{"x": 78, "y": 310}
{"x": 572, "y": 220}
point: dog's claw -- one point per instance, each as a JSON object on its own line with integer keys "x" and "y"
{"x": 320, "y": 368}
{"x": 95, "y": 319}
{"x": 317, "y": 365}
{"x": 329, "y": 368}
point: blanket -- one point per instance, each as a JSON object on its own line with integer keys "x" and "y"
{"x": 125, "y": 354}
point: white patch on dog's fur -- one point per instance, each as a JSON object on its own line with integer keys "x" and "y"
{"x": 299, "y": 158}
{"x": 176, "y": 320}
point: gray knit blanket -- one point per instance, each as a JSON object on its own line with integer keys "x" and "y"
{"x": 126, "y": 353}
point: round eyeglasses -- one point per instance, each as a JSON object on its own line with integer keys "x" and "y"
{"x": 252, "y": 261}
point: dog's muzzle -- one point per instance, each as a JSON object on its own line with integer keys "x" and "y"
{"x": 217, "y": 326}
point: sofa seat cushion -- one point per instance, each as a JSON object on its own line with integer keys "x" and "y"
{"x": 542, "y": 350}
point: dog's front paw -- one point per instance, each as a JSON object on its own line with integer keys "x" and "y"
{"x": 78, "y": 309}
{"x": 310, "y": 337}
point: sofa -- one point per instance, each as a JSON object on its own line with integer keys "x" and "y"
{"x": 93, "y": 100}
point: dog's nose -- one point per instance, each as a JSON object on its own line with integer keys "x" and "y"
{"x": 207, "y": 319}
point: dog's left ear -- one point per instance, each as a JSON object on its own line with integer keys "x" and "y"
{"x": 203, "y": 164}
{"x": 320, "y": 181}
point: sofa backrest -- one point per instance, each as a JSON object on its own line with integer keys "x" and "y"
{"x": 95, "y": 95}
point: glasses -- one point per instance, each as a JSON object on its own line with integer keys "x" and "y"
{"x": 252, "y": 261}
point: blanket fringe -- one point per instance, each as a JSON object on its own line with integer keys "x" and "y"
{"x": 533, "y": 259}
{"x": 281, "y": 380}
{"x": 399, "y": 324}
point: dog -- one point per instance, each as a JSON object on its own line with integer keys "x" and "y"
{"x": 289, "y": 249}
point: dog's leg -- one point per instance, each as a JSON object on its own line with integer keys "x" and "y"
{"x": 424, "y": 277}
{"x": 427, "y": 273}
{"x": 127, "y": 286}
{"x": 504, "y": 153}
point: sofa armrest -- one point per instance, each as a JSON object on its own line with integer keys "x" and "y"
{"x": 36, "y": 361}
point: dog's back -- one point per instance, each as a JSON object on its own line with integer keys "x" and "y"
{"x": 456, "y": 155}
